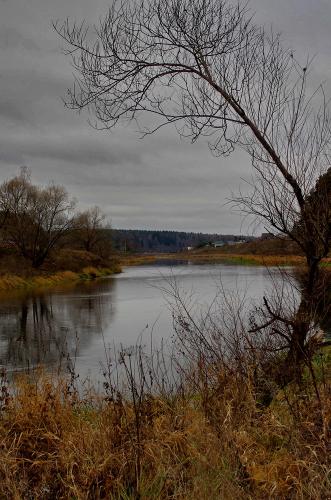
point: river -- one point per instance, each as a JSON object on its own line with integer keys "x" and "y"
{"x": 87, "y": 319}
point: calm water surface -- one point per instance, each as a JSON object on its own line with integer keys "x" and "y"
{"x": 40, "y": 328}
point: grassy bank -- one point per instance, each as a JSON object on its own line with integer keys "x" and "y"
{"x": 65, "y": 266}
{"x": 11, "y": 282}
{"x": 269, "y": 252}
{"x": 138, "y": 259}
{"x": 217, "y": 442}
{"x": 243, "y": 259}
{"x": 217, "y": 256}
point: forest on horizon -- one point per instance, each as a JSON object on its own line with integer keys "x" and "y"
{"x": 143, "y": 240}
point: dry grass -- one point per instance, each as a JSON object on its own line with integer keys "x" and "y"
{"x": 54, "y": 446}
{"x": 66, "y": 266}
{"x": 248, "y": 259}
{"x": 12, "y": 282}
{"x": 136, "y": 260}
{"x": 220, "y": 444}
{"x": 217, "y": 256}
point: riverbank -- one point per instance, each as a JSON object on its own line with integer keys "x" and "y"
{"x": 219, "y": 257}
{"x": 259, "y": 252}
{"x": 12, "y": 282}
{"x": 46, "y": 279}
{"x": 63, "y": 267}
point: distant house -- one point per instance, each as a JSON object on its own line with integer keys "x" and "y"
{"x": 217, "y": 244}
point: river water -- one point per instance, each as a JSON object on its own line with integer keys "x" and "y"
{"x": 87, "y": 319}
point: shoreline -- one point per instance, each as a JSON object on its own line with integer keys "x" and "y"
{"x": 15, "y": 283}
{"x": 12, "y": 282}
{"x": 210, "y": 257}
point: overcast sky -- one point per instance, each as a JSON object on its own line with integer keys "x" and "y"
{"x": 160, "y": 182}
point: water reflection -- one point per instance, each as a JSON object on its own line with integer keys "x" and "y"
{"x": 84, "y": 320}
{"x": 43, "y": 328}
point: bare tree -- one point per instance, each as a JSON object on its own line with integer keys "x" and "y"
{"x": 92, "y": 231}
{"x": 204, "y": 66}
{"x": 36, "y": 217}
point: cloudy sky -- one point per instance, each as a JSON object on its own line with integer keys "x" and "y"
{"x": 160, "y": 182}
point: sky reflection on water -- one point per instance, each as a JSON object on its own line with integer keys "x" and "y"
{"x": 83, "y": 320}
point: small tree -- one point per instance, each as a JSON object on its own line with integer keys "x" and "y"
{"x": 36, "y": 218}
{"x": 204, "y": 66}
{"x": 92, "y": 231}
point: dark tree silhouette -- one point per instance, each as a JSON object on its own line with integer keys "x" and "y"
{"x": 36, "y": 218}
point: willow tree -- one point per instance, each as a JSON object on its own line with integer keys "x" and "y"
{"x": 207, "y": 68}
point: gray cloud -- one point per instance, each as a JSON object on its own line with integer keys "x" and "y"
{"x": 10, "y": 112}
{"x": 70, "y": 148}
{"x": 11, "y": 38}
{"x": 158, "y": 182}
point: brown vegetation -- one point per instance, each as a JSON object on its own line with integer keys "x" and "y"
{"x": 219, "y": 442}
{"x": 44, "y": 242}
{"x": 215, "y": 423}
{"x": 264, "y": 246}
{"x": 249, "y": 411}
{"x": 138, "y": 259}
{"x": 276, "y": 251}
{"x": 34, "y": 218}
{"x": 65, "y": 266}
{"x": 217, "y": 257}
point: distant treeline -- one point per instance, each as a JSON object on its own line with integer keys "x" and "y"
{"x": 138, "y": 240}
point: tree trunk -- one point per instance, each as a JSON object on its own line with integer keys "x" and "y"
{"x": 310, "y": 297}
